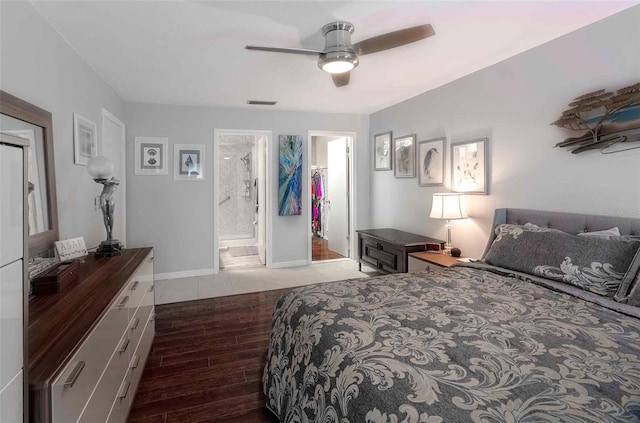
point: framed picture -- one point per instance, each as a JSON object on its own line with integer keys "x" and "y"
{"x": 85, "y": 140}
{"x": 188, "y": 162}
{"x": 290, "y": 175}
{"x": 151, "y": 156}
{"x": 382, "y": 151}
{"x": 469, "y": 165}
{"x": 405, "y": 156}
{"x": 431, "y": 162}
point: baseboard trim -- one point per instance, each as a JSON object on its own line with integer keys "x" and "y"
{"x": 183, "y": 274}
{"x": 282, "y": 264}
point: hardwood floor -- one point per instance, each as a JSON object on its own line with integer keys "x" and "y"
{"x": 320, "y": 250}
{"x": 207, "y": 361}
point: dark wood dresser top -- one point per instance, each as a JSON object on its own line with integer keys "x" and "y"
{"x": 399, "y": 237}
{"x": 59, "y": 323}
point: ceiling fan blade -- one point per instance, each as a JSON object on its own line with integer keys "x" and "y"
{"x": 341, "y": 79}
{"x": 286, "y": 50}
{"x": 394, "y": 39}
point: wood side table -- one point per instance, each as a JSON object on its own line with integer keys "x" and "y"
{"x": 425, "y": 261}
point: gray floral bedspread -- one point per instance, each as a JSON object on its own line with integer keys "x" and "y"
{"x": 456, "y": 345}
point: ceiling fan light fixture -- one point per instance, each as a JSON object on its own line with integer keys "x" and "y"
{"x": 338, "y": 61}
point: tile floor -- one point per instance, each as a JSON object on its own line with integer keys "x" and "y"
{"x": 256, "y": 279}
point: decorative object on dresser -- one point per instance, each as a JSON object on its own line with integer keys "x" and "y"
{"x": 431, "y": 162}
{"x": 404, "y": 153}
{"x": 188, "y": 162}
{"x": 469, "y": 167}
{"x": 101, "y": 169}
{"x": 151, "y": 156}
{"x": 425, "y": 261}
{"x": 89, "y": 344}
{"x": 69, "y": 249}
{"x": 447, "y": 206}
{"x": 85, "y": 139}
{"x": 382, "y": 151}
{"x": 386, "y": 250}
{"x": 13, "y": 282}
{"x": 605, "y": 120}
{"x": 56, "y": 279}
{"x": 290, "y": 176}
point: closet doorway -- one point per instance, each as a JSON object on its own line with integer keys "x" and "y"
{"x": 240, "y": 207}
{"x": 331, "y": 203}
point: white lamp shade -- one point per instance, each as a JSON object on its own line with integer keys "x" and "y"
{"x": 447, "y": 206}
{"x": 100, "y": 167}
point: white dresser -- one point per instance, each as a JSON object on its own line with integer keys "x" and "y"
{"x": 88, "y": 347}
{"x": 12, "y": 277}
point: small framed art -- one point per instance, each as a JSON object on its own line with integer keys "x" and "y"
{"x": 85, "y": 140}
{"x": 431, "y": 162}
{"x": 188, "y": 162}
{"x": 469, "y": 164}
{"x": 151, "y": 156}
{"x": 382, "y": 152}
{"x": 404, "y": 149}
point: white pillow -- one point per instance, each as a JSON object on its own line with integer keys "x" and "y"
{"x": 609, "y": 232}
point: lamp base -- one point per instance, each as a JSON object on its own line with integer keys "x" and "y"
{"x": 109, "y": 249}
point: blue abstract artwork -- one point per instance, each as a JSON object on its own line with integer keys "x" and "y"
{"x": 290, "y": 176}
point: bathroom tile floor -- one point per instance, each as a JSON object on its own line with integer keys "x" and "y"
{"x": 256, "y": 279}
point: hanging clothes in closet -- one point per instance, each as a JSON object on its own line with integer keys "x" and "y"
{"x": 317, "y": 201}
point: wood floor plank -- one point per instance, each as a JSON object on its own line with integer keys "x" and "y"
{"x": 207, "y": 362}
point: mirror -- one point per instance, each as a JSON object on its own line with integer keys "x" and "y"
{"x": 22, "y": 119}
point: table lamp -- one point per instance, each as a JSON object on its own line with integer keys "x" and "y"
{"x": 447, "y": 206}
{"x": 101, "y": 169}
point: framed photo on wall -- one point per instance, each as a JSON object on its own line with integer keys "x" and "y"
{"x": 469, "y": 164}
{"x": 404, "y": 149}
{"x": 85, "y": 140}
{"x": 188, "y": 162}
{"x": 151, "y": 156}
{"x": 382, "y": 151}
{"x": 431, "y": 162}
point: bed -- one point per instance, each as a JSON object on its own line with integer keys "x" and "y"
{"x": 511, "y": 338}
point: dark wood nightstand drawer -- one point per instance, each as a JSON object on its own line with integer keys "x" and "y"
{"x": 382, "y": 255}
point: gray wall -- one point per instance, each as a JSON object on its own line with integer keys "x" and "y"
{"x": 176, "y": 217}
{"x": 40, "y": 67}
{"x": 512, "y": 103}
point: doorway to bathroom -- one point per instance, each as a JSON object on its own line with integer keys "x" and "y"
{"x": 240, "y": 207}
{"x": 331, "y": 170}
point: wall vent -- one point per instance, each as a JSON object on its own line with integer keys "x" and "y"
{"x": 262, "y": 103}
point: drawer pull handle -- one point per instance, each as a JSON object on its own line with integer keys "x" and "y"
{"x": 124, "y": 390}
{"x": 152, "y": 318}
{"x": 71, "y": 380}
{"x": 378, "y": 246}
{"x": 134, "y": 285}
{"x": 124, "y": 346}
{"x": 123, "y": 302}
{"x": 152, "y": 287}
{"x": 150, "y": 259}
{"x": 135, "y": 323}
{"x": 135, "y": 362}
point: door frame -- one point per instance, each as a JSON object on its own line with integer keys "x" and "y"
{"x": 123, "y": 178}
{"x": 351, "y": 143}
{"x": 216, "y": 191}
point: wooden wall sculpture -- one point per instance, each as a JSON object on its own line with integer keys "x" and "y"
{"x": 609, "y": 121}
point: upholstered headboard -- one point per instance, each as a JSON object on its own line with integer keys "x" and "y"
{"x": 567, "y": 222}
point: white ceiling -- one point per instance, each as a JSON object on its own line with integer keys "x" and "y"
{"x": 192, "y": 52}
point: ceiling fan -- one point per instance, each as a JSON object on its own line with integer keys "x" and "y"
{"x": 339, "y": 56}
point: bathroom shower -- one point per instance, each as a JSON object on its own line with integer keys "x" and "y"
{"x": 248, "y": 184}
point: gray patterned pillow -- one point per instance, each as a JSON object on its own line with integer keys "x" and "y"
{"x": 592, "y": 263}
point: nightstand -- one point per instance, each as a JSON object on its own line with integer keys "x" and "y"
{"x": 423, "y": 260}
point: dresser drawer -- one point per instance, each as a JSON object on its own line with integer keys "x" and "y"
{"x": 99, "y": 405}
{"x": 71, "y": 390}
{"x": 383, "y": 256}
{"x": 139, "y": 358}
{"x": 416, "y": 265}
{"x": 137, "y": 323}
{"x": 120, "y": 406}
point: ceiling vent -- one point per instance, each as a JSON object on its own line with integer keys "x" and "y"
{"x": 262, "y": 103}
